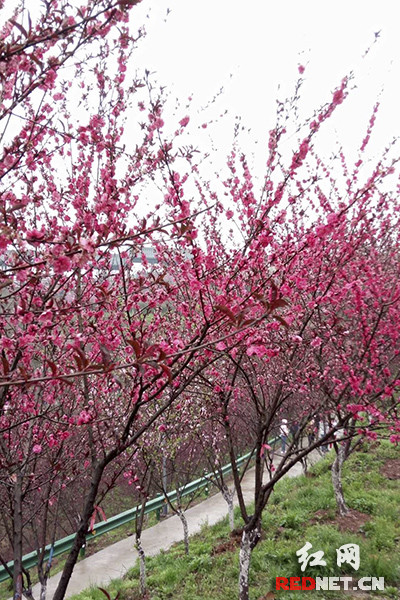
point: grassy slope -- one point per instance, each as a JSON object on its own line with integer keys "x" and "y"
{"x": 289, "y": 521}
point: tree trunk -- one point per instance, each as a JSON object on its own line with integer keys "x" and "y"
{"x": 184, "y": 522}
{"x": 17, "y": 537}
{"x": 27, "y": 591}
{"x": 337, "y": 481}
{"x": 43, "y": 590}
{"x": 80, "y": 537}
{"x": 228, "y": 497}
{"x": 142, "y": 565}
{"x": 249, "y": 541}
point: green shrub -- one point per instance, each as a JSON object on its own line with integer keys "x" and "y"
{"x": 363, "y": 504}
{"x": 381, "y": 565}
{"x": 382, "y": 532}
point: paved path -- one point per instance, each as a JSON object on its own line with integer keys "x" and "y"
{"x": 115, "y": 560}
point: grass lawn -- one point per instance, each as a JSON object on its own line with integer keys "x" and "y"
{"x": 302, "y": 509}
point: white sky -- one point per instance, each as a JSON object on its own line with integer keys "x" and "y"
{"x": 251, "y": 48}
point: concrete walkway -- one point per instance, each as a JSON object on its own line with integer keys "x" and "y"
{"x": 115, "y": 560}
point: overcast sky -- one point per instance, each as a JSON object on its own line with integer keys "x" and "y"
{"x": 253, "y": 50}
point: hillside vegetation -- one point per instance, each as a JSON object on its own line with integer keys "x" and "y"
{"x": 303, "y": 509}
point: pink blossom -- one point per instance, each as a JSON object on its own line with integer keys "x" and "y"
{"x": 256, "y": 350}
{"x": 46, "y": 317}
{"x": 62, "y": 264}
{"x": 264, "y": 447}
{"x": 183, "y": 122}
{"x": 34, "y": 236}
{"x": 338, "y": 97}
{"x": 316, "y": 342}
{"x": 303, "y": 149}
{"x": 355, "y": 408}
{"x": 332, "y": 218}
{"x": 37, "y": 448}
{"x": 87, "y": 244}
{"x": 84, "y": 417}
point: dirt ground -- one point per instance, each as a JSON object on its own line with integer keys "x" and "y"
{"x": 391, "y": 468}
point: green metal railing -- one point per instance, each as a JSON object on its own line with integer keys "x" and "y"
{"x": 156, "y": 504}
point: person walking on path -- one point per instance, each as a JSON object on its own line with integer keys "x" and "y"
{"x": 284, "y": 432}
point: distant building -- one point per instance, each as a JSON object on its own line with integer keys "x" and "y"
{"x": 147, "y": 251}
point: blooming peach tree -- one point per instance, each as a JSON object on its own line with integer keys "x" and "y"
{"x": 326, "y": 264}
{"x": 94, "y": 348}
{"x": 97, "y": 341}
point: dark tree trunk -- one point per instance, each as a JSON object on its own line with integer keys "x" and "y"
{"x": 80, "y": 537}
